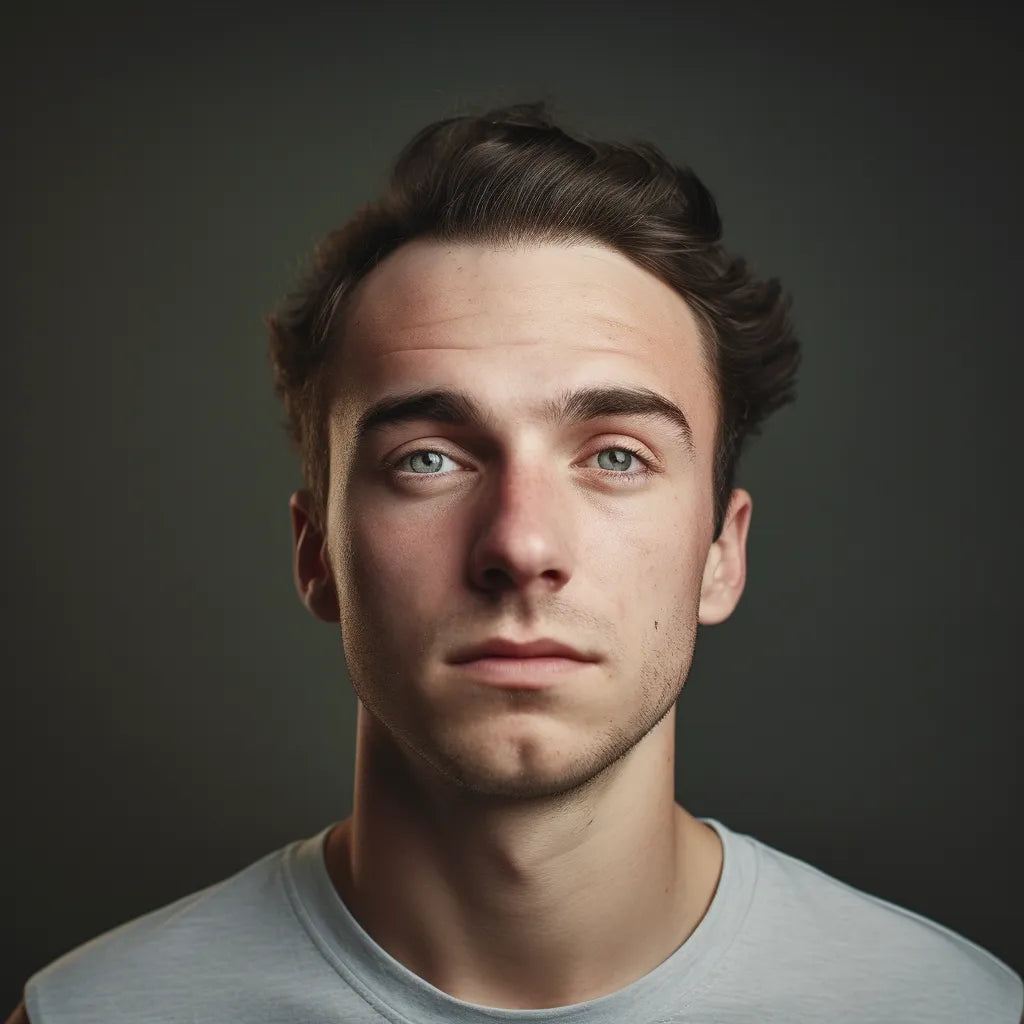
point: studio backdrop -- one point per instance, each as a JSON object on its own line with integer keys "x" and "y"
{"x": 171, "y": 710}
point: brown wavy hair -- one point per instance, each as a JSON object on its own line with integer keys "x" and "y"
{"x": 512, "y": 176}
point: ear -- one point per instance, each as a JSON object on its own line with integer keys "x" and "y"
{"x": 312, "y": 570}
{"x": 725, "y": 571}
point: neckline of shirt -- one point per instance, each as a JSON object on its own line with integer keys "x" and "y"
{"x": 401, "y": 996}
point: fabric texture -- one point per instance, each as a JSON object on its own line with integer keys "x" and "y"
{"x": 781, "y": 943}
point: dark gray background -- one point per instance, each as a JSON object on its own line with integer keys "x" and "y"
{"x": 173, "y": 713}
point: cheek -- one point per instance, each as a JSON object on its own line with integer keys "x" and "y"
{"x": 651, "y": 563}
{"x": 395, "y": 568}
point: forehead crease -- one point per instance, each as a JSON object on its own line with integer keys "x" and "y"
{"x": 437, "y": 321}
{"x": 407, "y": 290}
{"x": 591, "y": 332}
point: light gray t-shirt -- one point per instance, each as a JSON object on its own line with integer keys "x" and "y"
{"x": 781, "y": 942}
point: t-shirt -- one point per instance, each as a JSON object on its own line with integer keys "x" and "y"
{"x": 780, "y": 942}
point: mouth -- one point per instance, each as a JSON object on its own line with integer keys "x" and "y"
{"x": 532, "y": 673}
{"x": 520, "y": 650}
{"x": 521, "y": 663}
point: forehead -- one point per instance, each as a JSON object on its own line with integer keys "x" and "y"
{"x": 516, "y": 324}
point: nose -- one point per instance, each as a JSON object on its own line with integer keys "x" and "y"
{"x": 522, "y": 535}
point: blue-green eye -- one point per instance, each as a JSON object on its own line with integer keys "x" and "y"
{"x": 429, "y": 462}
{"x": 429, "y": 458}
{"x": 621, "y": 462}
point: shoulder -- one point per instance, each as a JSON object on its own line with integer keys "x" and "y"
{"x": 892, "y": 957}
{"x": 166, "y": 957}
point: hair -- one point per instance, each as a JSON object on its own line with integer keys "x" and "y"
{"x": 512, "y": 177}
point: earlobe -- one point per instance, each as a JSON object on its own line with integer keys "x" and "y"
{"x": 725, "y": 571}
{"x": 314, "y": 580}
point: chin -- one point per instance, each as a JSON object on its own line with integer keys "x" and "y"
{"x": 523, "y": 786}
{"x": 523, "y": 767}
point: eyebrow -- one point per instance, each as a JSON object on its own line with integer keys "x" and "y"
{"x": 448, "y": 405}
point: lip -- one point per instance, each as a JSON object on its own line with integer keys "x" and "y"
{"x": 504, "y": 648}
{"x": 534, "y": 673}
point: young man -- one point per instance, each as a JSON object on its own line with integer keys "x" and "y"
{"x": 519, "y": 384}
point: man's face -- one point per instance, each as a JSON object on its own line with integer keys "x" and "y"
{"x": 442, "y": 534}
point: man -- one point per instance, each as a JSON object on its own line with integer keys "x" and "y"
{"x": 519, "y": 385}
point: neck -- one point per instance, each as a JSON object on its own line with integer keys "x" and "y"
{"x": 523, "y": 904}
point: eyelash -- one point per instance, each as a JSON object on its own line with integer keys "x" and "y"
{"x": 644, "y": 473}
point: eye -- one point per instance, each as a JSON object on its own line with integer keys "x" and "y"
{"x": 427, "y": 459}
{"x": 430, "y": 462}
{"x": 623, "y": 454}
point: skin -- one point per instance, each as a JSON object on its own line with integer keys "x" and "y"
{"x": 520, "y": 850}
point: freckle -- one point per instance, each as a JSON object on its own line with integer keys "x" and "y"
{"x": 655, "y": 623}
